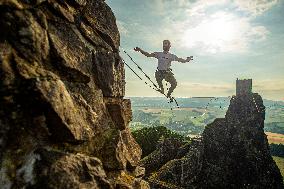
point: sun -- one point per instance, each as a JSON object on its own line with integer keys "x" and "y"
{"x": 216, "y": 33}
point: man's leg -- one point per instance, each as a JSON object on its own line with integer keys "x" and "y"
{"x": 159, "y": 79}
{"x": 171, "y": 79}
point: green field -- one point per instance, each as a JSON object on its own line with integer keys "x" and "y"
{"x": 280, "y": 163}
{"x": 194, "y": 114}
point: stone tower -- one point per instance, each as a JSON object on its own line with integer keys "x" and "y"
{"x": 243, "y": 87}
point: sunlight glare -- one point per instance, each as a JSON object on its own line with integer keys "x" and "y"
{"x": 217, "y": 33}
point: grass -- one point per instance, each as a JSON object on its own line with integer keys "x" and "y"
{"x": 280, "y": 163}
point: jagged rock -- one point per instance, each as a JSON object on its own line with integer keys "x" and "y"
{"x": 108, "y": 71}
{"x": 131, "y": 150}
{"x": 64, "y": 122}
{"x": 121, "y": 151}
{"x": 93, "y": 37}
{"x": 126, "y": 181}
{"x": 62, "y": 170}
{"x": 79, "y": 2}
{"x": 119, "y": 111}
{"x": 232, "y": 153}
{"x": 32, "y": 42}
{"x": 14, "y": 4}
{"x": 64, "y": 10}
{"x": 139, "y": 171}
{"x": 180, "y": 171}
{"x": 166, "y": 151}
{"x": 103, "y": 22}
{"x": 244, "y": 152}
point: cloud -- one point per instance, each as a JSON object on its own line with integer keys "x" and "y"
{"x": 216, "y": 33}
{"x": 269, "y": 88}
{"x": 190, "y": 25}
{"x": 224, "y": 36}
{"x": 164, "y": 7}
{"x": 270, "y": 85}
{"x": 204, "y": 89}
{"x": 200, "y": 6}
{"x": 122, "y": 27}
{"x": 184, "y": 89}
{"x": 209, "y": 26}
{"x": 255, "y": 7}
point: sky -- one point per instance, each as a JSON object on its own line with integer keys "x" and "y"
{"x": 228, "y": 39}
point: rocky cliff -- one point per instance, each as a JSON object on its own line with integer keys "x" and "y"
{"x": 63, "y": 119}
{"x": 233, "y": 152}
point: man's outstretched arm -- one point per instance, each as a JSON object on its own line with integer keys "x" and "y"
{"x": 184, "y": 60}
{"x": 144, "y": 52}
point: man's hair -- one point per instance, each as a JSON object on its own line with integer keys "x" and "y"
{"x": 166, "y": 40}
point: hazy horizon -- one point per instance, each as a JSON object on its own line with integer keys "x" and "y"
{"x": 194, "y": 97}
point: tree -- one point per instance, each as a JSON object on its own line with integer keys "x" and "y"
{"x": 148, "y": 137}
{"x": 277, "y": 150}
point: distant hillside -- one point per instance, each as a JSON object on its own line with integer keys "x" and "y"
{"x": 161, "y": 102}
{"x": 195, "y": 113}
{"x": 193, "y": 102}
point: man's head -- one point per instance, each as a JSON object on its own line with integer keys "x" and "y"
{"x": 166, "y": 45}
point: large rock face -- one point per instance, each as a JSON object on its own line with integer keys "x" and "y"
{"x": 232, "y": 153}
{"x": 63, "y": 119}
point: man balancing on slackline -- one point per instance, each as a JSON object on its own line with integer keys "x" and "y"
{"x": 164, "y": 63}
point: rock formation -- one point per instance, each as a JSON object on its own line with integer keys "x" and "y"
{"x": 63, "y": 119}
{"x": 233, "y": 152}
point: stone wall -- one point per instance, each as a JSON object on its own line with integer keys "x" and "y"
{"x": 243, "y": 87}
